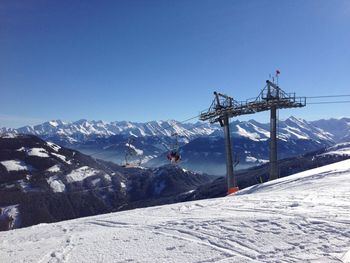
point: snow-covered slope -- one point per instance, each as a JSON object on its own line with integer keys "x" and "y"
{"x": 301, "y": 218}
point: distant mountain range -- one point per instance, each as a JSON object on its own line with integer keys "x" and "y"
{"x": 201, "y": 144}
{"x": 336, "y": 130}
{"x": 84, "y": 130}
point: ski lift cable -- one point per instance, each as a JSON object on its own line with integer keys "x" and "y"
{"x": 329, "y": 102}
{"x": 328, "y": 96}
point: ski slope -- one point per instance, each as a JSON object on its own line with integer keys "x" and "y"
{"x": 301, "y": 218}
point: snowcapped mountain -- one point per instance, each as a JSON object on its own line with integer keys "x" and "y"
{"x": 83, "y": 130}
{"x": 43, "y": 182}
{"x": 289, "y": 129}
{"x": 300, "y": 218}
{"x": 338, "y": 128}
{"x": 292, "y": 128}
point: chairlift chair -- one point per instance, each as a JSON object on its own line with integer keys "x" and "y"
{"x": 174, "y": 156}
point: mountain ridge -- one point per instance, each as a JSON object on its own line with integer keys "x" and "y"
{"x": 150, "y": 141}
{"x": 292, "y": 127}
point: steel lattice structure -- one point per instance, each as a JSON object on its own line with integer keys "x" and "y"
{"x": 223, "y": 107}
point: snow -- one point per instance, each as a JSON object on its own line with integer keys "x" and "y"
{"x": 244, "y": 133}
{"x": 53, "y": 123}
{"x": 138, "y": 151}
{"x": 16, "y": 165}
{"x": 95, "y": 181}
{"x": 53, "y": 146}
{"x": 80, "y": 174}
{"x": 12, "y": 211}
{"x": 107, "y": 177}
{"x": 22, "y": 149}
{"x": 339, "y": 149}
{"x": 301, "y": 218}
{"x": 263, "y": 133}
{"x": 346, "y": 257}
{"x": 57, "y": 186}
{"x": 39, "y": 152}
{"x": 339, "y": 152}
{"x": 294, "y": 131}
{"x": 26, "y": 187}
{"x": 62, "y": 157}
{"x": 8, "y": 135}
{"x": 54, "y": 169}
{"x": 251, "y": 159}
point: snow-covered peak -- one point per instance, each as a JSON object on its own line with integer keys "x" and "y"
{"x": 295, "y": 119}
{"x": 53, "y": 123}
{"x": 250, "y": 131}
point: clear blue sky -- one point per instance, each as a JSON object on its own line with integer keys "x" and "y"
{"x": 151, "y": 60}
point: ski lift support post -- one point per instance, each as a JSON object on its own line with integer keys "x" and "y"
{"x": 219, "y": 112}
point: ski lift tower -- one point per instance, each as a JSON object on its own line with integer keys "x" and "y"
{"x": 220, "y": 111}
{"x": 272, "y": 98}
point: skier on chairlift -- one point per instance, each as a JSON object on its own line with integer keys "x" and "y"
{"x": 174, "y": 156}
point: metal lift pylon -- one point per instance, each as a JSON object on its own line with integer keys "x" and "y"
{"x": 218, "y": 112}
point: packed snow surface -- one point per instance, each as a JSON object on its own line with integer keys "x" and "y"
{"x": 301, "y": 218}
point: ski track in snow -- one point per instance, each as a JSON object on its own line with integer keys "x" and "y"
{"x": 301, "y": 218}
